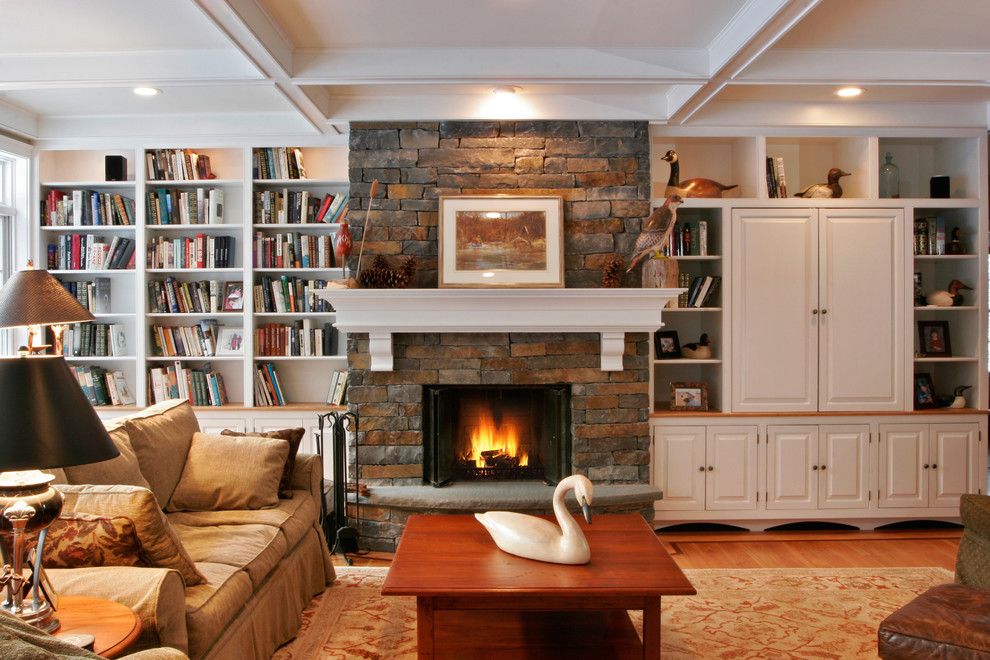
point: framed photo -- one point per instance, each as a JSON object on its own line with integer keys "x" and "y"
{"x": 492, "y": 241}
{"x": 666, "y": 345}
{"x": 689, "y": 396}
{"x": 233, "y": 296}
{"x": 231, "y": 341}
{"x": 933, "y": 339}
{"x": 924, "y": 392}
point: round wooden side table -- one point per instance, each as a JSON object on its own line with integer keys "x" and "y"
{"x": 114, "y": 626}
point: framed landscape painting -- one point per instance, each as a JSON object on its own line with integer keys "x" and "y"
{"x": 501, "y": 241}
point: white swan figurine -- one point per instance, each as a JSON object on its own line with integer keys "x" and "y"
{"x": 536, "y": 538}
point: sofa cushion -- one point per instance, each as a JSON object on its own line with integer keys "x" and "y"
{"x": 160, "y": 436}
{"x": 293, "y": 437}
{"x": 211, "y": 606}
{"x": 255, "y": 548}
{"x": 225, "y": 473}
{"x": 123, "y": 469}
{"x": 947, "y": 621}
{"x": 160, "y": 544}
{"x": 79, "y": 539}
{"x": 294, "y": 517}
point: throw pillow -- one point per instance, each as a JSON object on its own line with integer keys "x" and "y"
{"x": 226, "y": 472}
{"x": 160, "y": 436}
{"x": 293, "y": 437}
{"x": 161, "y": 547}
{"x": 123, "y": 469}
{"x": 78, "y": 540}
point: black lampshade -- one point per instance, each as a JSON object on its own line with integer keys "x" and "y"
{"x": 47, "y": 420}
{"x": 34, "y": 297}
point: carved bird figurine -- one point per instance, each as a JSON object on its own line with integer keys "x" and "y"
{"x": 699, "y": 350}
{"x": 691, "y": 187}
{"x": 657, "y": 230}
{"x": 830, "y": 189}
{"x": 950, "y": 298}
{"x": 343, "y": 242}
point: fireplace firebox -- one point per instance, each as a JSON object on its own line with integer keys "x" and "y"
{"x": 496, "y": 432}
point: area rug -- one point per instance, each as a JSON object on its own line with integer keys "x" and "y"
{"x": 738, "y": 613}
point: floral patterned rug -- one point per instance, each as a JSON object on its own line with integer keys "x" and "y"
{"x": 739, "y": 614}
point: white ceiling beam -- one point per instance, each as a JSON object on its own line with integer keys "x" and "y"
{"x": 750, "y": 33}
{"x": 259, "y": 39}
{"x": 72, "y": 69}
{"x": 771, "y": 115}
{"x": 177, "y": 126}
{"x": 356, "y": 66}
{"x": 15, "y": 120}
{"x": 862, "y": 66}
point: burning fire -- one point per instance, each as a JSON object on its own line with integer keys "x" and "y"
{"x": 491, "y": 442}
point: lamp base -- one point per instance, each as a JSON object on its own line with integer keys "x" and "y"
{"x": 40, "y": 615}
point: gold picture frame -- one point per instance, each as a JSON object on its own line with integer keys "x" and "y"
{"x": 689, "y": 396}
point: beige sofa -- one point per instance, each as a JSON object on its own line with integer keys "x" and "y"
{"x": 258, "y": 568}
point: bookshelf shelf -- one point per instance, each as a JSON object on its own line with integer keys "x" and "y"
{"x": 88, "y": 184}
{"x": 212, "y": 358}
{"x": 87, "y": 229}
{"x": 194, "y": 315}
{"x": 100, "y": 358}
{"x": 684, "y": 310}
{"x": 205, "y": 271}
{"x": 686, "y": 361}
{"x": 118, "y": 271}
{"x": 291, "y": 271}
{"x": 195, "y": 228}
{"x": 303, "y": 183}
{"x": 944, "y": 257}
{"x": 944, "y": 360}
{"x": 296, "y": 226}
{"x": 933, "y": 308}
{"x": 299, "y": 358}
{"x": 300, "y": 315}
{"x": 192, "y": 183}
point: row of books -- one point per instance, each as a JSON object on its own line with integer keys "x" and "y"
{"x": 301, "y": 338}
{"x": 94, "y": 340}
{"x": 89, "y": 252}
{"x": 289, "y": 294}
{"x": 93, "y": 295}
{"x": 930, "y": 236}
{"x": 171, "y": 296}
{"x": 201, "y": 206}
{"x": 177, "y": 165}
{"x": 267, "y": 388}
{"x": 701, "y": 290}
{"x": 201, "y": 251}
{"x": 278, "y": 163}
{"x": 691, "y": 240}
{"x": 293, "y": 250}
{"x": 201, "y": 387}
{"x": 86, "y": 208}
{"x": 185, "y": 341}
{"x": 102, "y": 387}
{"x": 338, "y": 387}
{"x": 776, "y": 182}
{"x": 287, "y": 207}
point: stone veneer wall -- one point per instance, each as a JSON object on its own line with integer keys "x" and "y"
{"x": 600, "y": 168}
{"x": 609, "y": 409}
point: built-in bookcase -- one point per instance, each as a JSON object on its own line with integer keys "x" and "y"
{"x": 226, "y": 209}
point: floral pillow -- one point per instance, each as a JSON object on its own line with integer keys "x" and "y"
{"x": 78, "y": 540}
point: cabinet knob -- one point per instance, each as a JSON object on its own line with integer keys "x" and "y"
{"x": 710, "y": 468}
{"x": 926, "y": 466}
{"x": 701, "y": 469}
{"x": 823, "y": 467}
{"x": 934, "y": 466}
{"x": 824, "y": 312}
{"x": 814, "y": 467}
{"x": 814, "y": 311}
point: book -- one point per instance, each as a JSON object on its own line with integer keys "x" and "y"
{"x": 703, "y": 238}
{"x": 781, "y": 183}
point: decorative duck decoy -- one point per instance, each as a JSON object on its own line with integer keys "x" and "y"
{"x": 699, "y": 350}
{"x": 691, "y": 187}
{"x": 950, "y": 298}
{"x": 959, "y": 396}
{"x": 536, "y": 538}
{"x": 830, "y": 189}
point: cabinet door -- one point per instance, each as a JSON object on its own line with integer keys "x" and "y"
{"x": 679, "y": 467}
{"x": 903, "y": 465}
{"x": 861, "y": 319}
{"x": 209, "y": 423}
{"x": 792, "y": 467}
{"x": 774, "y": 295}
{"x": 843, "y": 468}
{"x": 953, "y": 455}
{"x": 731, "y": 468}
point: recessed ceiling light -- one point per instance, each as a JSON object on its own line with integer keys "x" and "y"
{"x": 147, "y": 91}
{"x": 848, "y": 92}
{"x": 505, "y": 90}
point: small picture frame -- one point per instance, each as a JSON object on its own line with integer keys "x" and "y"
{"x": 231, "y": 341}
{"x": 933, "y": 339}
{"x": 666, "y": 345}
{"x": 689, "y": 396}
{"x": 233, "y": 296}
{"x": 919, "y": 295}
{"x": 924, "y": 392}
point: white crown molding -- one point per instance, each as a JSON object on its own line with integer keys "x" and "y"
{"x": 173, "y": 126}
{"x": 18, "y": 121}
{"x": 771, "y": 114}
{"x": 863, "y": 66}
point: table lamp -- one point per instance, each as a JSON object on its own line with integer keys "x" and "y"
{"x": 34, "y": 298}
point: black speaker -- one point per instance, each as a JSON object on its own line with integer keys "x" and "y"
{"x": 939, "y": 187}
{"x": 116, "y": 168}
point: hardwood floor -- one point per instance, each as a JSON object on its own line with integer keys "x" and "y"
{"x": 790, "y": 549}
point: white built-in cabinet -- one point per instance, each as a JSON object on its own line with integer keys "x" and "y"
{"x": 812, "y": 467}
{"x": 817, "y": 310}
{"x": 927, "y": 465}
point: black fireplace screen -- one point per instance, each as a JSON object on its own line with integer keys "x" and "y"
{"x": 483, "y": 432}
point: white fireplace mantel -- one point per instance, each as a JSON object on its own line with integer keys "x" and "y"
{"x": 609, "y": 312}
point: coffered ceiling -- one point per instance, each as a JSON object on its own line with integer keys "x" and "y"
{"x": 248, "y": 68}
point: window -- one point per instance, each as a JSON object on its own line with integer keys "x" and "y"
{"x": 8, "y": 214}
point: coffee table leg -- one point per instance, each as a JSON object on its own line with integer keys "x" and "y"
{"x": 651, "y": 628}
{"x": 424, "y": 628}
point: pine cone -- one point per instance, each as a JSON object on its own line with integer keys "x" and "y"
{"x": 407, "y": 271}
{"x": 612, "y": 271}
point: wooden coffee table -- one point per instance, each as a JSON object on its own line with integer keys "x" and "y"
{"x": 114, "y": 626}
{"x": 473, "y": 600}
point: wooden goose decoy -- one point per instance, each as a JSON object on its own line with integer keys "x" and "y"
{"x": 831, "y": 189}
{"x": 699, "y": 350}
{"x": 950, "y": 298}
{"x": 691, "y": 187}
{"x": 536, "y": 538}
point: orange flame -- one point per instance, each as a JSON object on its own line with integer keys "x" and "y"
{"x": 487, "y": 436}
